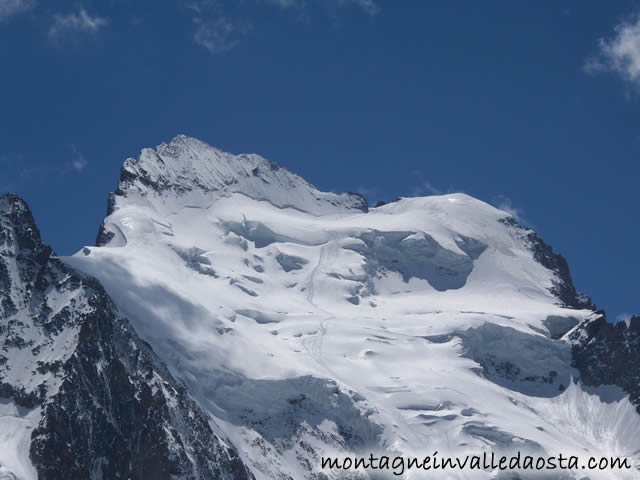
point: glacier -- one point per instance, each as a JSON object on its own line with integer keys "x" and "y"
{"x": 304, "y": 323}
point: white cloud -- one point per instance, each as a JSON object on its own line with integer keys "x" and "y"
{"x": 219, "y": 32}
{"x": 217, "y": 35}
{"x": 424, "y": 188}
{"x": 284, "y": 3}
{"x": 214, "y": 30}
{"x": 75, "y": 22}
{"x": 624, "y": 317}
{"x": 79, "y": 161}
{"x": 620, "y": 53}
{"x": 367, "y": 192}
{"x": 370, "y": 7}
{"x": 506, "y": 205}
{"x": 430, "y": 189}
{"x": 9, "y": 8}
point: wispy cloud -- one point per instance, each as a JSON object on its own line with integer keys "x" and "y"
{"x": 214, "y": 31}
{"x": 619, "y": 53}
{"x": 79, "y": 161}
{"x": 219, "y": 32}
{"x": 624, "y": 317}
{"x": 31, "y": 171}
{"x": 218, "y": 36}
{"x": 75, "y": 22}
{"x": 9, "y": 8}
{"x": 368, "y": 192}
{"x": 425, "y": 188}
{"x": 284, "y": 3}
{"x": 370, "y": 7}
{"x": 506, "y": 205}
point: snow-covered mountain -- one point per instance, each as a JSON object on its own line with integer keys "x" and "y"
{"x": 81, "y": 395}
{"x": 281, "y": 324}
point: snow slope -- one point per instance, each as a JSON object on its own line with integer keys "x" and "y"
{"x": 305, "y": 323}
{"x": 81, "y": 396}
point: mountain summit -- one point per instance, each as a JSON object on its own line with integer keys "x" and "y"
{"x": 289, "y": 323}
{"x": 188, "y": 172}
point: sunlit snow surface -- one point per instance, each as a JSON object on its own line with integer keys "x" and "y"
{"x": 290, "y": 314}
{"x": 16, "y": 425}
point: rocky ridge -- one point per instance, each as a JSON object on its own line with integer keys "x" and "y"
{"x": 109, "y": 407}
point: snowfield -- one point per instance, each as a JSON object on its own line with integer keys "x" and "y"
{"x": 305, "y": 325}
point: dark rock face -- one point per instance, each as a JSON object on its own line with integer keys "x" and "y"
{"x": 105, "y": 236}
{"x": 30, "y": 278}
{"x": 110, "y": 408}
{"x": 609, "y": 353}
{"x": 604, "y": 353}
{"x": 361, "y": 203}
{"x": 290, "y": 262}
{"x": 563, "y": 288}
{"x": 195, "y": 259}
{"x": 119, "y": 414}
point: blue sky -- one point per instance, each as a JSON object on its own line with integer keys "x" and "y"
{"x": 531, "y": 106}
